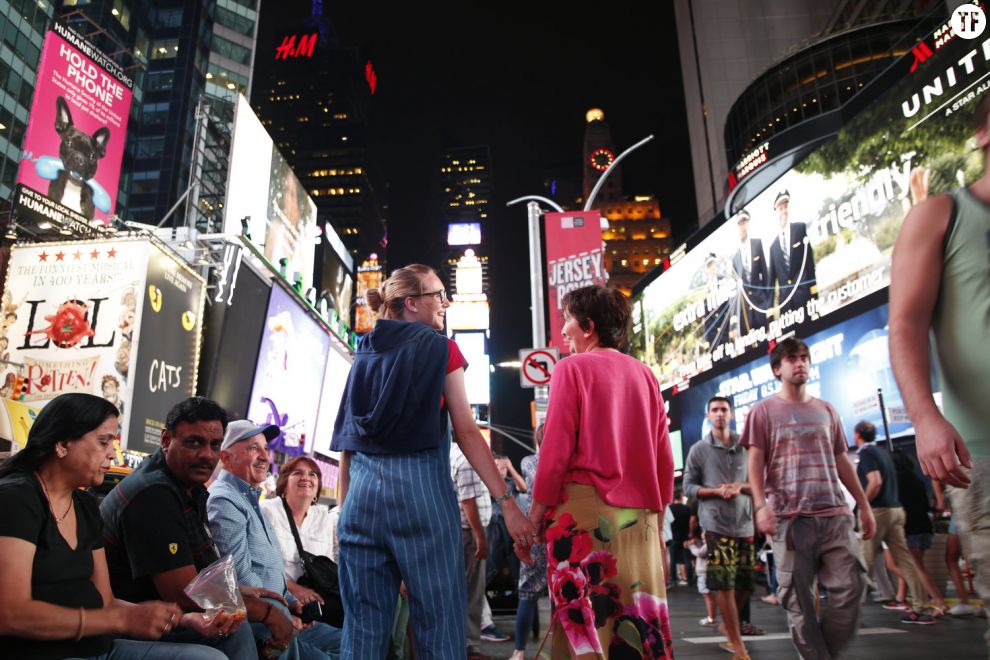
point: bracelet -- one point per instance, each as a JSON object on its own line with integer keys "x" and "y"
{"x": 762, "y": 506}
{"x": 82, "y": 623}
{"x": 504, "y": 497}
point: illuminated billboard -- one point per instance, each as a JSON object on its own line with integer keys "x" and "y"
{"x": 477, "y": 375}
{"x": 119, "y": 319}
{"x": 464, "y": 233}
{"x": 289, "y": 373}
{"x": 334, "y": 382}
{"x": 70, "y": 165}
{"x": 849, "y": 363}
{"x": 369, "y": 276}
{"x": 467, "y": 315}
{"x": 820, "y": 237}
{"x": 264, "y": 192}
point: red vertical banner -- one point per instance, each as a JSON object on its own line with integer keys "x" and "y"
{"x": 574, "y": 259}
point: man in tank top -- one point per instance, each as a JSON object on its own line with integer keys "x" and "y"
{"x": 940, "y": 282}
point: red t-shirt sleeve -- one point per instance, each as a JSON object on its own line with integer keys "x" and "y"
{"x": 455, "y": 359}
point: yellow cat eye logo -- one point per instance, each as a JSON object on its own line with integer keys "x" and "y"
{"x": 188, "y": 321}
{"x": 155, "y": 297}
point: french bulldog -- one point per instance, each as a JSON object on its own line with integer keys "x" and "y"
{"x": 80, "y": 154}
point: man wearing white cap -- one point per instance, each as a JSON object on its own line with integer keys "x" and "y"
{"x": 788, "y": 253}
{"x": 242, "y": 530}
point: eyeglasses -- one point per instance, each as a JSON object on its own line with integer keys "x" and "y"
{"x": 441, "y": 295}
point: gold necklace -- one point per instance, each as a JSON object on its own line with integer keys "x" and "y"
{"x": 44, "y": 487}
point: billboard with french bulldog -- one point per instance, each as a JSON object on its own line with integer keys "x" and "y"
{"x": 70, "y": 164}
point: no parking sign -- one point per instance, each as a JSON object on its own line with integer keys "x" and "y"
{"x": 537, "y": 366}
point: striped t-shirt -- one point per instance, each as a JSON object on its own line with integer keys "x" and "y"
{"x": 800, "y": 442}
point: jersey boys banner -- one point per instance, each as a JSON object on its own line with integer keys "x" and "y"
{"x": 821, "y": 236}
{"x": 574, "y": 259}
{"x": 72, "y": 316}
{"x": 75, "y": 136}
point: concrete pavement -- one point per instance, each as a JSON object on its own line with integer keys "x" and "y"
{"x": 881, "y": 635}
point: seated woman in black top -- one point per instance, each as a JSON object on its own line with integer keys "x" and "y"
{"x": 55, "y": 598}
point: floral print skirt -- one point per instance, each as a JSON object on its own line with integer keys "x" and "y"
{"x": 606, "y": 581}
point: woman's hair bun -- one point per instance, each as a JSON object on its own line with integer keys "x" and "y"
{"x": 374, "y": 298}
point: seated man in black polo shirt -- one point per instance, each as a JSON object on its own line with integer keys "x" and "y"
{"x": 157, "y": 537}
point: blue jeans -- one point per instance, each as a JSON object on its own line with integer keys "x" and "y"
{"x": 317, "y": 642}
{"x": 237, "y": 645}
{"x": 126, "y": 649}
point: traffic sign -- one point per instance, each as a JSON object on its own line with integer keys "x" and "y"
{"x": 537, "y": 366}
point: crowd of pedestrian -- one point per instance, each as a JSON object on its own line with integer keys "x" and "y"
{"x": 592, "y": 520}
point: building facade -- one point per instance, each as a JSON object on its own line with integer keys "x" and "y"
{"x": 314, "y": 96}
{"x": 754, "y": 69}
{"x": 638, "y": 236}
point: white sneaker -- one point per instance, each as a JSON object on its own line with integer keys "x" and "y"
{"x": 962, "y": 610}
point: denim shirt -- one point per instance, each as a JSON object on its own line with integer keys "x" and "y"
{"x": 242, "y": 530}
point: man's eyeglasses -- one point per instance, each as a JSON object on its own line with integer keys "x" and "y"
{"x": 441, "y": 295}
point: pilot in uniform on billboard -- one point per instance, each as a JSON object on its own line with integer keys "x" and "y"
{"x": 716, "y": 320}
{"x": 751, "y": 267}
{"x": 786, "y": 254}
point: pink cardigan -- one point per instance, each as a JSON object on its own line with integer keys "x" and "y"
{"x": 606, "y": 427}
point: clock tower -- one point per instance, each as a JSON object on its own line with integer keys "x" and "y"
{"x": 599, "y": 152}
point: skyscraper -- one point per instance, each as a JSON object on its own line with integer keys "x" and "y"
{"x": 465, "y": 195}
{"x": 183, "y": 53}
{"x": 314, "y": 96}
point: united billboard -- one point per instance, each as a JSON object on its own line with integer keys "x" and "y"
{"x": 819, "y": 238}
{"x": 70, "y": 165}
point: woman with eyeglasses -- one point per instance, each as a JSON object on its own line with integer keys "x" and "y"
{"x": 399, "y": 518}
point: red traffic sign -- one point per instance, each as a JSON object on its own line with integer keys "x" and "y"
{"x": 537, "y": 366}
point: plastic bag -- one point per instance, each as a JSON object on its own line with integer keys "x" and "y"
{"x": 215, "y": 590}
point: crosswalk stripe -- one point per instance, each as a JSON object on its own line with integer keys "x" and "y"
{"x": 776, "y": 636}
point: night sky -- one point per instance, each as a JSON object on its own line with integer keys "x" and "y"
{"x": 520, "y": 81}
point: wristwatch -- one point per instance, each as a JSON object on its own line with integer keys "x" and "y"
{"x": 503, "y": 497}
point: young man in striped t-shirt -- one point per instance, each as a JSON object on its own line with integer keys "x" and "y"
{"x": 797, "y": 459}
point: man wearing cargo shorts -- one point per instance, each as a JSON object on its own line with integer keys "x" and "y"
{"x": 715, "y": 474}
{"x": 797, "y": 459}
{"x": 948, "y": 235}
